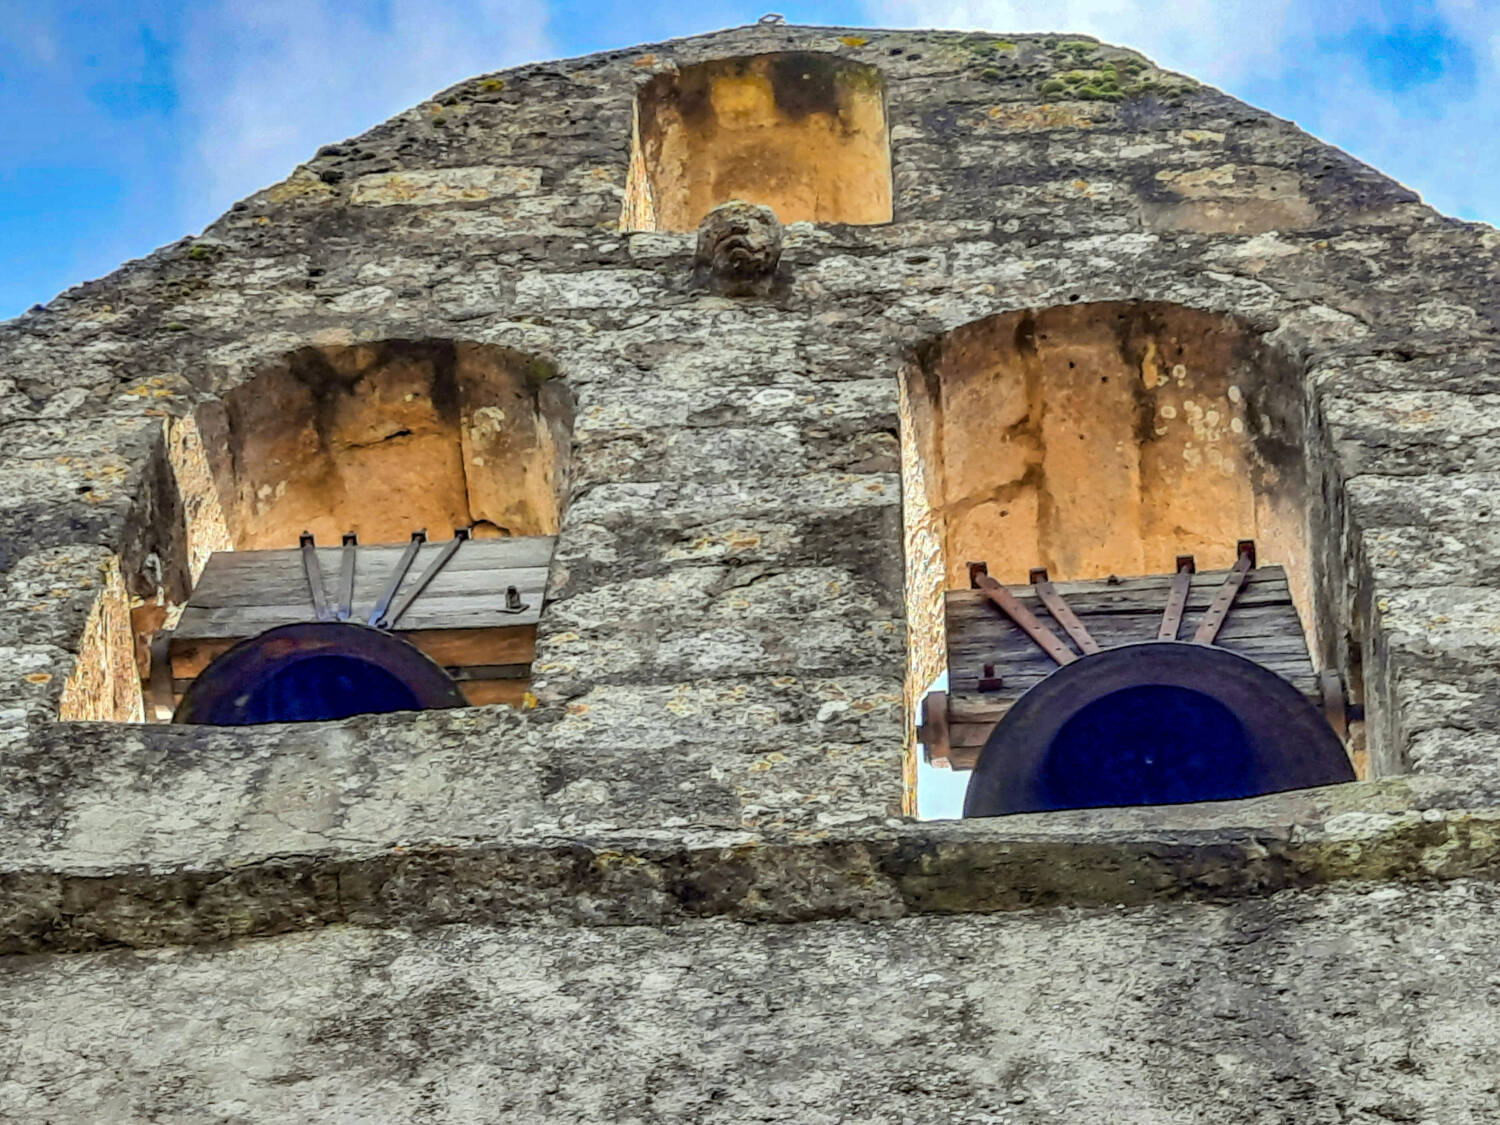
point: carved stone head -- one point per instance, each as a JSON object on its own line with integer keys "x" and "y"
{"x": 739, "y": 248}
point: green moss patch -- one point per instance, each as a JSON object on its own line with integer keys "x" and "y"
{"x": 1112, "y": 81}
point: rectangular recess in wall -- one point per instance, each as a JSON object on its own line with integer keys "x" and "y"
{"x": 803, "y": 133}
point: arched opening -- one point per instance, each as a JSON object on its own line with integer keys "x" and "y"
{"x": 801, "y": 132}
{"x": 1100, "y": 442}
{"x": 363, "y": 445}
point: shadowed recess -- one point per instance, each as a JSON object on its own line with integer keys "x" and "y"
{"x": 382, "y": 439}
{"x": 801, "y": 132}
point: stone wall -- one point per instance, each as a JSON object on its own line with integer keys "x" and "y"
{"x": 721, "y": 665}
{"x": 1358, "y": 1006}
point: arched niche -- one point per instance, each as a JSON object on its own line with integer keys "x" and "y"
{"x": 1096, "y": 440}
{"x": 380, "y": 439}
{"x": 803, "y": 133}
{"x": 377, "y": 439}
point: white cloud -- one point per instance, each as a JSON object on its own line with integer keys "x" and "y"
{"x": 28, "y": 34}
{"x": 264, "y": 83}
{"x": 1295, "y": 60}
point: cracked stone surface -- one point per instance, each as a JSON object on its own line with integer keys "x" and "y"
{"x": 427, "y": 907}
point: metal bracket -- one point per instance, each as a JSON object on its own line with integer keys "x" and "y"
{"x": 989, "y": 681}
{"x": 1032, "y": 626}
{"x": 460, "y": 534}
{"x": 1182, "y": 581}
{"x": 388, "y": 595}
{"x": 1060, "y": 611}
{"x": 346, "y": 576}
{"x": 1213, "y": 619}
{"x": 314, "y": 574}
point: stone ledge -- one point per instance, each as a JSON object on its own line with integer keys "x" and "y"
{"x": 1355, "y": 1004}
{"x": 1362, "y": 832}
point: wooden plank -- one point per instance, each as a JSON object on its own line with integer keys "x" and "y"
{"x": 933, "y": 733}
{"x": 455, "y": 648}
{"x": 437, "y": 608}
{"x": 1017, "y": 682}
{"x": 1270, "y": 637}
{"x": 1266, "y": 586}
{"x": 967, "y": 705}
{"x": 964, "y": 757}
{"x": 291, "y": 590}
{"x": 1265, "y": 631}
{"x": 477, "y": 693}
{"x": 969, "y": 736}
{"x": 1250, "y": 610}
{"x": 476, "y": 554}
{"x": 1209, "y": 580}
{"x": 276, "y": 578}
{"x": 452, "y": 648}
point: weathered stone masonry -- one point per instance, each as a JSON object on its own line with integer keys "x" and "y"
{"x": 541, "y": 915}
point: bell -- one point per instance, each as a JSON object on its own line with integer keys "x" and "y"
{"x": 316, "y": 671}
{"x": 1154, "y": 723}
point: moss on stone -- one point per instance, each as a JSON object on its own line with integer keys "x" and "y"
{"x": 853, "y": 40}
{"x": 983, "y": 45}
{"x": 857, "y": 77}
{"x": 1111, "y": 81}
{"x": 492, "y": 85}
{"x": 536, "y": 370}
{"x": 1166, "y": 90}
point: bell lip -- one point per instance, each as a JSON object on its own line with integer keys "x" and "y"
{"x": 1290, "y": 737}
{"x": 226, "y": 674}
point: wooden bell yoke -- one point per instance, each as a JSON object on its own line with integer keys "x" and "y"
{"x": 322, "y": 632}
{"x": 1117, "y": 710}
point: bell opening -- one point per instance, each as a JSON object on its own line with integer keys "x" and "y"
{"x": 325, "y": 687}
{"x": 1155, "y": 744}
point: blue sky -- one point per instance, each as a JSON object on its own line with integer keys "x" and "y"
{"x": 129, "y": 123}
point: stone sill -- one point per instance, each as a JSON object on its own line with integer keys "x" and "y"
{"x": 1400, "y": 830}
